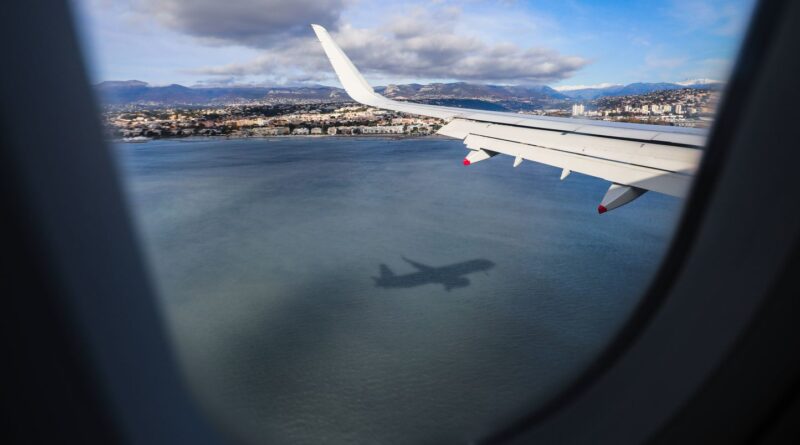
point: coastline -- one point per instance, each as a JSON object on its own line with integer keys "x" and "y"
{"x": 229, "y": 137}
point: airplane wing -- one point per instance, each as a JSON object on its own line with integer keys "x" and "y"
{"x": 635, "y": 158}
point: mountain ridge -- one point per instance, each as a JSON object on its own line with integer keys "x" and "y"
{"x": 533, "y": 96}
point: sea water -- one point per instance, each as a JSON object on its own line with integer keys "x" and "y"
{"x": 265, "y": 254}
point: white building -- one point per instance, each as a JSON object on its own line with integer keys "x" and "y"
{"x": 382, "y": 129}
{"x": 271, "y": 131}
{"x": 577, "y": 110}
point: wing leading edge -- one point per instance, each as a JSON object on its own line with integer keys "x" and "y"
{"x": 635, "y": 158}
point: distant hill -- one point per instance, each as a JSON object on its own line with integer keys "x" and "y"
{"x": 636, "y": 89}
{"x": 462, "y": 90}
{"x": 459, "y": 94}
{"x": 475, "y": 104}
{"x": 137, "y": 92}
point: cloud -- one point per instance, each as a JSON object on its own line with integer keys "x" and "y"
{"x": 256, "y": 23}
{"x": 421, "y": 43}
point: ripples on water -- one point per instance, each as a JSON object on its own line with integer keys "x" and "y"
{"x": 265, "y": 250}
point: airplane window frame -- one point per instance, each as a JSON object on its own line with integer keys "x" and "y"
{"x": 82, "y": 263}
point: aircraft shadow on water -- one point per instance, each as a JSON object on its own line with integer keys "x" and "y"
{"x": 451, "y": 276}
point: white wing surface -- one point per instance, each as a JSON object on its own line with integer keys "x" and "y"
{"x": 635, "y": 158}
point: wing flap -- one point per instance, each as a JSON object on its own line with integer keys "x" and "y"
{"x": 670, "y": 183}
{"x": 645, "y": 154}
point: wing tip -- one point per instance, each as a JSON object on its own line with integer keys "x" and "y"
{"x": 320, "y": 31}
{"x": 351, "y": 79}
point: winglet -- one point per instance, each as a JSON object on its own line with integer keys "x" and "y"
{"x": 359, "y": 89}
{"x": 352, "y": 80}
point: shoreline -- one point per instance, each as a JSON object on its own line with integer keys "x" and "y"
{"x": 287, "y": 136}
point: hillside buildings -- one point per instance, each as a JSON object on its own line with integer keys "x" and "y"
{"x": 247, "y": 121}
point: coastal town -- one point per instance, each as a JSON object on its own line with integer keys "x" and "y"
{"x": 688, "y": 107}
{"x": 136, "y": 123}
{"x": 685, "y": 107}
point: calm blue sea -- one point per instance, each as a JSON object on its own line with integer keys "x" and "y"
{"x": 264, "y": 252}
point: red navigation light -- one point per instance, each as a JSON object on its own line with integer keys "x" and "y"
{"x": 466, "y": 162}
{"x": 601, "y": 209}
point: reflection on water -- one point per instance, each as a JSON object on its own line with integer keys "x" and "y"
{"x": 265, "y": 252}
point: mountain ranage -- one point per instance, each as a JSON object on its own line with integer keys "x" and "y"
{"x": 136, "y": 111}
{"x": 513, "y": 98}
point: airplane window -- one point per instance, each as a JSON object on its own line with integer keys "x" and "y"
{"x": 408, "y": 223}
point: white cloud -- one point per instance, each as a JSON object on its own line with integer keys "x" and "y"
{"x": 256, "y": 23}
{"x": 419, "y": 42}
{"x": 701, "y": 81}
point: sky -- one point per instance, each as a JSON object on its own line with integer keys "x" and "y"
{"x": 565, "y": 44}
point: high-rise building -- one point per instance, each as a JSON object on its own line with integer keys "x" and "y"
{"x": 577, "y": 110}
